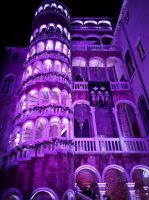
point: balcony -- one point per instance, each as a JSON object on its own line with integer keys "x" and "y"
{"x": 99, "y": 145}
{"x": 76, "y": 47}
{"x": 115, "y": 86}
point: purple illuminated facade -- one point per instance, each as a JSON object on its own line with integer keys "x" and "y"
{"x": 74, "y": 105}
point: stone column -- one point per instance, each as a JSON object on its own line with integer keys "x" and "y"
{"x": 119, "y": 129}
{"x": 94, "y": 121}
{"x": 131, "y": 191}
{"x": 102, "y": 190}
{"x": 140, "y": 124}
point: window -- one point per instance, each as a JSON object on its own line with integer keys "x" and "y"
{"x": 15, "y": 56}
{"x": 144, "y": 112}
{"x": 127, "y": 17}
{"x": 7, "y": 85}
{"x": 129, "y": 63}
{"x": 141, "y": 51}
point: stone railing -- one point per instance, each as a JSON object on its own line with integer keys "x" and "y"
{"x": 45, "y": 77}
{"x": 115, "y": 86}
{"x": 45, "y": 111}
{"x": 120, "y": 86}
{"x": 85, "y": 47}
{"x": 97, "y": 145}
{"x": 80, "y": 86}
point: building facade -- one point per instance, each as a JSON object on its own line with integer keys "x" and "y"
{"x": 74, "y": 118}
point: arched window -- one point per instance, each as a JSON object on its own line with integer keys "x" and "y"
{"x": 65, "y": 127}
{"x": 65, "y": 49}
{"x": 144, "y": 112}
{"x": 32, "y": 97}
{"x": 54, "y": 127}
{"x": 65, "y": 68}
{"x": 49, "y": 45}
{"x": 16, "y": 134}
{"x": 47, "y": 65}
{"x": 23, "y": 103}
{"x": 58, "y": 46}
{"x": 37, "y": 68}
{"x": 129, "y": 63}
{"x": 8, "y": 85}
{"x": 32, "y": 51}
{"x": 64, "y": 100}
{"x": 41, "y": 127}
{"x": 27, "y": 131}
{"x": 44, "y": 96}
{"x": 95, "y": 62}
{"x": 40, "y": 47}
{"x": 78, "y": 62}
{"x": 79, "y": 78}
{"x": 28, "y": 71}
{"x": 55, "y": 96}
{"x": 57, "y": 66}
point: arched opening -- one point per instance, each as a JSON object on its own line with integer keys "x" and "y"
{"x": 45, "y": 96}
{"x": 28, "y": 71}
{"x": 41, "y": 127}
{"x": 65, "y": 127}
{"x": 11, "y": 194}
{"x": 58, "y": 46}
{"x": 79, "y": 78}
{"x": 23, "y": 102}
{"x": 40, "y": 47}
{"x": 97, "y": 70}
{"x": 47, "y": 65}
{"x": 49, "y": 45}
{"x": 57, "y": 66}
{"x": 54, "y": 127}
{"x": 8, "y": 85}
{"x": 144, "y": 112}
{"x": 37, "y": 68}
{"x": 116, "y": 184}
{"x": 86, "y": 180}
{"x": 83, "y": 126}
{"x": 65, "y": 69}
{"x": 55, "y": 96}
{"x": 106, "y": 40}
{"x": 44, "y": 194}
{"x": 64, "y": 100}
{"x": 32, "y": 51}
{"x": 141, "y": 178}
{"x": 27, "y": 132}
{"x": 128, "y": 121}
{"x": 33, "y": 98}
{"x": 16, "y": 136}
{"x": 114, "y": 68}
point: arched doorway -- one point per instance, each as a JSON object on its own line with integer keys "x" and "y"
{"x": 116, "y": 187}
{"x": 141, "y": 178}
{"x": 43, "y": 194}
{"x": 127, "y": 120}
{"x": 83, "y": 126}
{"x": 87, "y": 182}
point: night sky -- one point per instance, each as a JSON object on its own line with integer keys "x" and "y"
{"x": 16, "y": 16}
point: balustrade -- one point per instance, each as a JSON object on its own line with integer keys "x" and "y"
{"x": 78, "y": 146}
{"x": 119, "y": 86}
{"x": 80, "y": 86}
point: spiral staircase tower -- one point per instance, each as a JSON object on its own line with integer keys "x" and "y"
{"x": 44, "y": 102}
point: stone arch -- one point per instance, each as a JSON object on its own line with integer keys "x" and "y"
{"x": 140, "y": 176}
{"x": 69, "y": 194}
{"x": 81, "y": 61}
{"x": 127, "y": 113}
{"x": 41, "y": 125}
{"x": 114, "y": 68}
{"x": 52, "y": 194}
{"x": 8, "y": 79}
{"x": 79, "y": 102}
{"x": 127, "y": 102}
{"x": 11, "y": 191}
{"x": 116, "y": 176}
{"x": 54, "y": 126}
{"x": 118, "y": 167}
{"x": 77, "y": 37}
{"x": 89, "y": 167}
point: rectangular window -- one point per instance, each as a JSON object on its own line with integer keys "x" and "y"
{"x": 141, "y": 51}
{"x": 15, "y": 56}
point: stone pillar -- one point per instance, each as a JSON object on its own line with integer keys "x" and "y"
{"x": 131, "y": 191}
{"x": 106, "y": 70}
{"x": 119, "y": 129}
{"x": 94, "y": 121}
{"x": 102, "y": 190}
{"x": 140, "y": 124}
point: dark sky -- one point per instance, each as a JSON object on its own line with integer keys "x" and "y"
{"x": 16, "y": 16}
